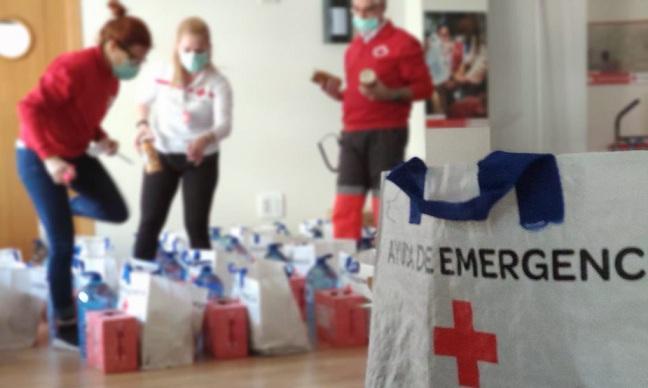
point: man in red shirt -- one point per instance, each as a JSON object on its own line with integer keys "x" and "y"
{"x": 385, "y": 73}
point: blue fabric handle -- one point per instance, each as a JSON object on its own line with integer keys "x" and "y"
{"x": 242, "y": 272}
{"x": 351, "y": 265}
{"x": 535, "y": 177}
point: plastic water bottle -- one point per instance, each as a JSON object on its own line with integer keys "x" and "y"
{"x": 320, "y": 277}
{"x": 96, "y": 296}
{"x": 208, "y": 279}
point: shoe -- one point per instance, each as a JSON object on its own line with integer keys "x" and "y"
{"x": 67, "y": 336}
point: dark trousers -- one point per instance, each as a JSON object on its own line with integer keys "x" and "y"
{"x": 158, "y": 191}
{"x": 97, "y": 197}
{"x": 364, "y": 156}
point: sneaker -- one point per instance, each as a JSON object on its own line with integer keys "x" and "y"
{"x": 67, "y": 336}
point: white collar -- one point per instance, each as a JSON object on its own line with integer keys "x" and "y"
{"x": 370, "y": 36}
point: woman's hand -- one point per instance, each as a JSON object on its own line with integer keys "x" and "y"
{"x": 196, "y": 150}
{"x": 144, "y": 134}
{"x": 62, "y": 172}
{"x": 108, "y": 146}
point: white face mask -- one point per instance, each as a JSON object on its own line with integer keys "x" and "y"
{"x": 192, "y": 61}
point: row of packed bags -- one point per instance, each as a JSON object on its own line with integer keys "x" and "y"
{"x": 171, "y": 308}
{"x": 259, "y": 284}
{"x": 317, "y": 265}
{"x": 94, "y": 255}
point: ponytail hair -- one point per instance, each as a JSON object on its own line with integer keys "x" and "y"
{"x": 125, "y": 30}
{"x": 118, "y": 10}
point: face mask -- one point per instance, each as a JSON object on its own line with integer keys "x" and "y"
{"x": 126, "y": 70}
{"x": 192, "y": 61}
{"x": 365, "y": 26}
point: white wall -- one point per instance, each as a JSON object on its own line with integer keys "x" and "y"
{"x": 606, "y": 101}
{"x": 538, "y": 95}
{"x": 616, "y": 10}
{"x": 269, "y": 53}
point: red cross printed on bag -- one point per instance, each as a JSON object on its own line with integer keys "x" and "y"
{"x": 468, "y": 346}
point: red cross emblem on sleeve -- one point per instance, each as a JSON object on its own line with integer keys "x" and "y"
{"x": 468, "y": 346}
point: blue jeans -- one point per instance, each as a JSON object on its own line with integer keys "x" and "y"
{"x": 97, "y": 197}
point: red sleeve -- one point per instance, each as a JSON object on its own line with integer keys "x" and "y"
{"x": 415, "y": 72}
{"x": 100, "y": 134}
{"x": 54, "y": 90}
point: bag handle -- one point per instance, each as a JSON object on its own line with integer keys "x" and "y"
{"x": 234, "y": 270}
{"x": 322, "y": 150}
{"x": 535, "y": 177}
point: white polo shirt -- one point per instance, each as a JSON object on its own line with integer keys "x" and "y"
{"x": 181, "y": 115}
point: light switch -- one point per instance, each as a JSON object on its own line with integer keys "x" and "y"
{"x": 271, "y": 206}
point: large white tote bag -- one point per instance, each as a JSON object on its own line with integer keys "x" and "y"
{"x": 276, "y": 327}
{"x": 523, "y": 271}
{"x": 166, "y": 312}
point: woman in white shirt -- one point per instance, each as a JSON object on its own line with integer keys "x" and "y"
{"x": 190, "y": 106}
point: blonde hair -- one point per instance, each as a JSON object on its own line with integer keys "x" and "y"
{"x": 193, "y": 26}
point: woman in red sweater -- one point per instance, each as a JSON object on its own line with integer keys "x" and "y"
{"x": 59, "y": 119}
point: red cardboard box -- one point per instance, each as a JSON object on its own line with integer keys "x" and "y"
{"x": 342, "y": 320}
{"x": 112, "y": 340}
{"x": 226, "y": 330}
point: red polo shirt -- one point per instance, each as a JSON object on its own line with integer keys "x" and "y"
{"x": 63, "y": 113}
{"x": 397, "y": 58}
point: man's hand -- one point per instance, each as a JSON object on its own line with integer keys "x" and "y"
{"x": 333, "y": 88}
{"x": 330, "y": 84}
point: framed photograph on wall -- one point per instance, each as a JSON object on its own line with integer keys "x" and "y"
{"x": 456, "y": 54}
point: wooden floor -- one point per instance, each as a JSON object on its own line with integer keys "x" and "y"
{"x": 50, "y": 368}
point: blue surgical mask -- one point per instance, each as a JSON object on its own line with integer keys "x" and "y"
{"x": 365, "y": 26}
{"x": 126, "y": 70}
{"x": 193, "y": 62}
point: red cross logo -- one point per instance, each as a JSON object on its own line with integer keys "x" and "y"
{"x": 465, "y": 344}
{"x": 380, "y": 51}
